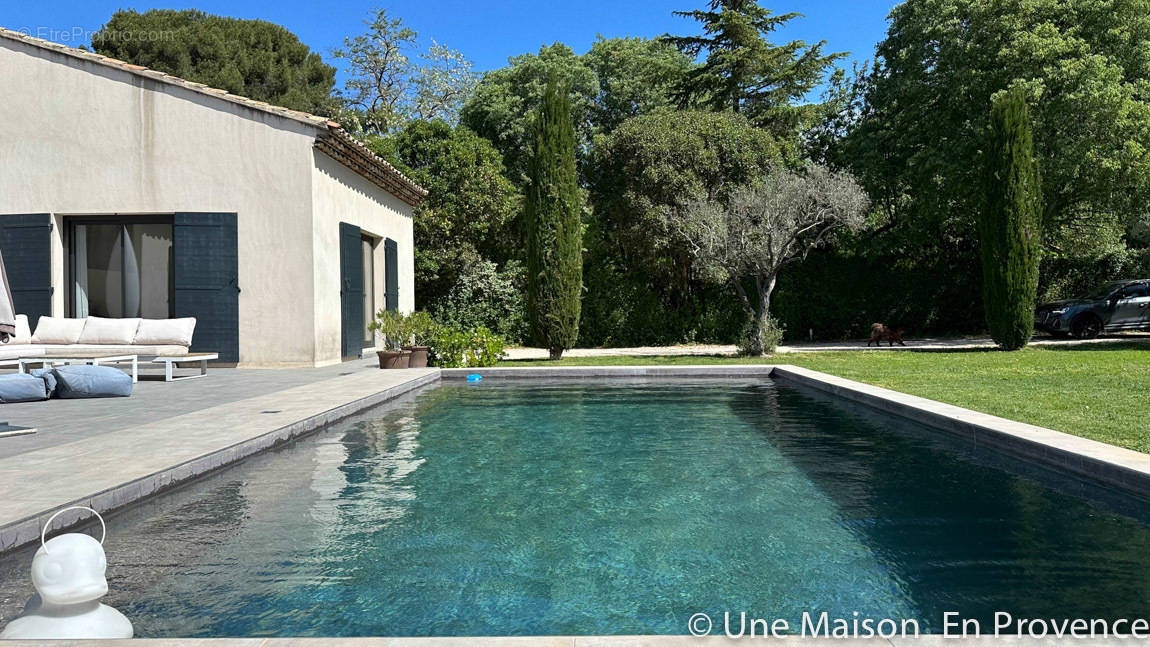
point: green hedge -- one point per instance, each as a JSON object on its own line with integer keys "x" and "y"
{"x": 836, "y": 295}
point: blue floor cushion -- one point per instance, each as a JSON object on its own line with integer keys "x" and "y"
{"x": 21, "y": 387}
{"x": 84, "y": 381}
{"x": 48, "y": 376}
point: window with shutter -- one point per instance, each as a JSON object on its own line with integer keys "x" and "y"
{"x": 205, "y": 275}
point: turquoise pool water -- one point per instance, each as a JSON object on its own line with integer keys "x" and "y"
{"x": 607, "y": 508}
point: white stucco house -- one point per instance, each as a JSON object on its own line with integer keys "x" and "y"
{"x": 126, "y": 192}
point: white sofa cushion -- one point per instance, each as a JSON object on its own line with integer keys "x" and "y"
{"x": 57, "y": 330}
{"x": 98, "y": 330}
{"x": 80, "y": 351}
{"x": 23, "y": 332}
{"x": 157, "y": 332}
{"x": 16, "y": 351}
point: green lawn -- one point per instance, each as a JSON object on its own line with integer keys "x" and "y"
{"x": 1101, "y": 391}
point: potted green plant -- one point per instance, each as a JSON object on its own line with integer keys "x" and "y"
{"x": 395, "y": 331}
{"x": 422, "y": 331}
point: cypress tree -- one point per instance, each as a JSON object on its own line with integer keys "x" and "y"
{"x": 554, "y": 228}
{"x": 1009, "y": 224}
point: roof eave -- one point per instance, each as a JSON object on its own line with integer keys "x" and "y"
{"x": 341, "y": 146}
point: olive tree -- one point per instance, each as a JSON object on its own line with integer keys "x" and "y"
{"x": 763, "y": 227}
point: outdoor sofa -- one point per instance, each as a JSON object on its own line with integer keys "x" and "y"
{"x": 64, "y": 337}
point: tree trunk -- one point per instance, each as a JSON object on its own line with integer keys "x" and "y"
{"x": 556, "y": 353}
{"x": 766, "y": 289}
{"x": 756, "y": 345}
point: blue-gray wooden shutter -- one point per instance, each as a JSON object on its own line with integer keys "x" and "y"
{"x": 351, "y": 290}
{"x": 391, "y": 273}
{"x": 26, "y": 241}
{"x": 205, "y": 269}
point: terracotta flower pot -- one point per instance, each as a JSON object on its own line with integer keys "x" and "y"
{"x": 393, "y": 358}
{"x": 418, "y": 356}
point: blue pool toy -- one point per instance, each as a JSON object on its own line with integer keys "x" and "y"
{"x": 474, "y": 377}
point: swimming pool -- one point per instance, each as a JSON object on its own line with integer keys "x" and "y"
{"x": 616, "y": 507}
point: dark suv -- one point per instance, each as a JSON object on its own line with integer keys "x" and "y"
{"x": 1113, "y": 306}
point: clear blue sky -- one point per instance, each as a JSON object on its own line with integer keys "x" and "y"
{"x": 488, "y": 32}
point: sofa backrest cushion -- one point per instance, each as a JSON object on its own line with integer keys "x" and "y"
{"x": 20, "y": 387}
{"x": 23, "y": 332}
{"x": 58, "y": 330}
{"x": 84, "y": 381}
{"x": 156, "y": 332}
{"x": 98, "y": 330}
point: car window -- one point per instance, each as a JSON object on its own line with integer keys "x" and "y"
{"x": 1103, "y": 291}
{"x": 1135, "y": 291}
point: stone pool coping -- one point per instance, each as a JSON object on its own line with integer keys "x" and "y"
{"x": 1108, "y": 465}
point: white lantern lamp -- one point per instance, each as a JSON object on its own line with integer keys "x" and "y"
{"x": 68, "y": 573}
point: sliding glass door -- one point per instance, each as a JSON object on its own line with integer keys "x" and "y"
{"x": 121, "y": 267}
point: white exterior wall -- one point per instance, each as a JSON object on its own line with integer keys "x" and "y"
{"x": 341, "y": 195}
{"x": 78, "y": 138}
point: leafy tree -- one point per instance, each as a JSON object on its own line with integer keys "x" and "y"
{"x": 765, "y": 226}
{"x": 653, "y": 164}
{"x": 502, "y": 105}
{"x": 251, "y": 58}
{"x": 488, "y": 296}
{"x": 637, "y": 76}
{"x": 617, "y": 79}
{"x": 554, "y": 229}
{"x": 379, "y": 70}
{"x": 465, "y": 218}
{"x": 743, "y": 71}
{"x": 386, "y": 87}
{"x": 643, "y": 286}
{"x": 1009, "y": 224}
{"x": 914, "y": 125}
{"x": 444, "y": 82}
{"x": 915, "y": 145}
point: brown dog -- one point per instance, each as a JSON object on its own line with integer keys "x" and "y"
{"x": 882, "y": 332}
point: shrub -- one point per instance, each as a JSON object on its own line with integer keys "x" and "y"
{"x": 628, "y": 307}
{"x": 421, "y": 327}
{"x": 1069, "y": 277}
{"x": 770, "y": 334}
{"x": 448, "y": 346}
{"x": 455, "y": 348}
{"x": 394, "y": 327}
{"x": 483, "y": 295}
{"x": 486, "y": 348}
{"x": 838, "y": 293}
